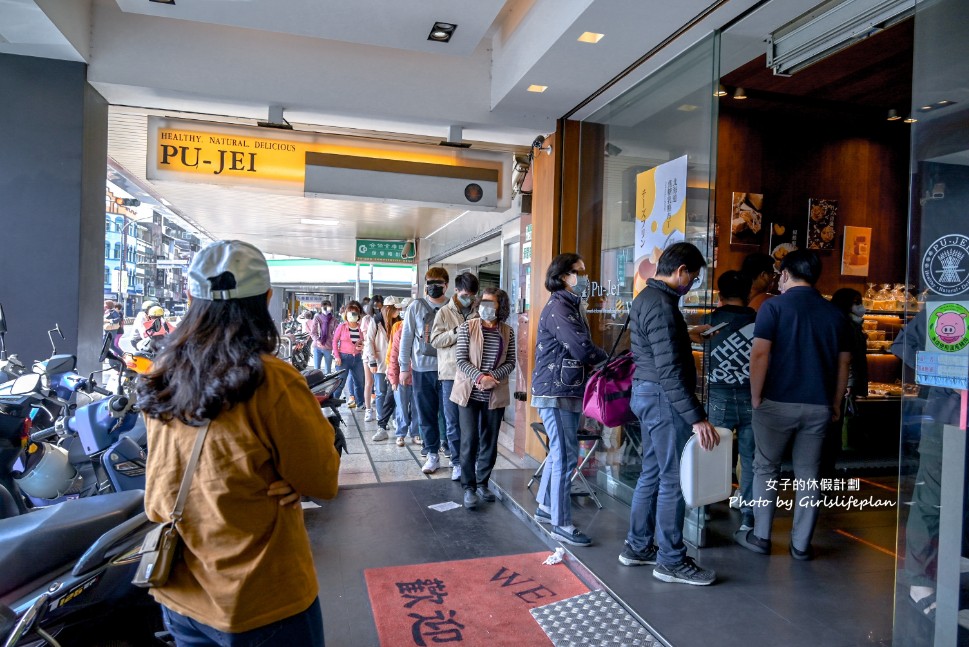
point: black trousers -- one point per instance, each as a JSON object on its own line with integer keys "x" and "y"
{"x": 479, "y": 442}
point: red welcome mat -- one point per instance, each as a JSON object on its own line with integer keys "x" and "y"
{"x": 473, "y": 602}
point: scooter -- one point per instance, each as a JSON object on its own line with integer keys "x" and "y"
{"x": 323, "y": 387}
{"x": 10, "y": 367}
{"x": 14, "y": 436}
{"x": 66, "y": 570}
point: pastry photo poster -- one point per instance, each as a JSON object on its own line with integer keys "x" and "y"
{"x": 821, "y": 219}
{"x": 746, "y": 224}
{"x": 856, "y": 252}
{"x": 783, "y": 239}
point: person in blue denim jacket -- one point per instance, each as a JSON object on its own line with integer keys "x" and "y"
{"x": 563, "y": 355}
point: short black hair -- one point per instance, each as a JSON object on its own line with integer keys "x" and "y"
{"x": 845, "y": 298}
{"x": 466, "y": 281}
{"x": 802, "y": 265}
{"x": 325, "y": 303}
{"x": 756, "y": 264}
{"x": 734, "y": 285}
{"x": 561, "y": 264}
{"x": 679, "y": 254}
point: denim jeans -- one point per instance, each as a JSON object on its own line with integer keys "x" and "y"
{"x": 731, "y": 409}
{"x": 555, "y": 489}
{"x": 404, "y": 399}
{"x": 452, "y": 420}
{"x": 428, "y": 393}
{"x": 322, "y": 354}
{"x": 385, "y": 399}
{"x": 305, "y": 628}
{"x": 354, "y": 376}
{"x": 479, "y": 443}
{"x": 657, "y": 508}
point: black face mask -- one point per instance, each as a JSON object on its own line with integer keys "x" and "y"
{"x": 435, "y": 291}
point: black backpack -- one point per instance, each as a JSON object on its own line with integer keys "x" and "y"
{"x": 422, "y": 337}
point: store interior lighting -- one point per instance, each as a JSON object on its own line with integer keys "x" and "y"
{"x": 893, "y": 115}
{"x": 739, "y": 93}
{"x": 910, "y": 119}
{"x": 721, "y": 91}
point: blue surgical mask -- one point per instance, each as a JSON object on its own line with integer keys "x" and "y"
{"x": 581, "y": 284}
{"x": 465, "y": 301}
{"x": 487, "y": 312}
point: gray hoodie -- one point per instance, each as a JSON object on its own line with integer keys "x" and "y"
{"x": 410, "y": 358}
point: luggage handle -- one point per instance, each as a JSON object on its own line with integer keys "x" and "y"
{"x": 615, "y": 344}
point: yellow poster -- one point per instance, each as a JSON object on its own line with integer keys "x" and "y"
{"x": 660, "y": 216}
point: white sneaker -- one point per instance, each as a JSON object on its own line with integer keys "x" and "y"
{"x": 455, "y": 472}
{"x": 368, "y": 416}
{"x": 735, "y": 500}
{"x": 400, "y": 441}
{"x": 380, "y": 435}
{"x": 432, "y": 464}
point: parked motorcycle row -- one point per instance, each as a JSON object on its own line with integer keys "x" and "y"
{"x": 72, "y": 477}
{"x": 299, "y": 345}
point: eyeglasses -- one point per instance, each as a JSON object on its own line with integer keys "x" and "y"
{"x": 695, "y": 283}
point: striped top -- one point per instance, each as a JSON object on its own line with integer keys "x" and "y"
{"x": 354, "y": 334}
{"x": 489, "y": 357}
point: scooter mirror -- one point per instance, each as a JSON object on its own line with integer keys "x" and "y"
{"x": 25, "y": 384}
{"x": 3, "y": 320}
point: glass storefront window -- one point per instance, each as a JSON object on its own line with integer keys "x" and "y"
{"x": 669, "y": 116}
{"x": 931, "y": 593}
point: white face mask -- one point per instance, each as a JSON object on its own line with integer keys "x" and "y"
{"x": 352, "y": 317}
{"x": 487, "y": 312}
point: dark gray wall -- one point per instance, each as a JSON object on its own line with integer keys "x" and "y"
{"x": 53, "y": 158}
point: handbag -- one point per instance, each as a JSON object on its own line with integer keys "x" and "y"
{"x": 161, "y": 545}
{"x": 608, "y": 393}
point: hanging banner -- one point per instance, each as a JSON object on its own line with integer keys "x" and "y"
{"x": 382, "y": 251}
{"x": 660, "y": 216}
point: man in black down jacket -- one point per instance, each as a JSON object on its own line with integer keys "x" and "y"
{"x": 665, "y": 402}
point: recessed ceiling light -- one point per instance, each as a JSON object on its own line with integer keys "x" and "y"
{"x": 686, "y": 107}
{"x": 944, "y": 103}
{"x": 442, "y": 32}
{"x": 163, "y": 1}
{"x": 318, "y": 221}
{"x": 537, "y": 88}
{"x": 590, "y": 37}
{"x": 925, "y": 108}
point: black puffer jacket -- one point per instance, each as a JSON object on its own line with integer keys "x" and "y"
{"x": 661, "y": 348}
{"x": 564, "y": 349}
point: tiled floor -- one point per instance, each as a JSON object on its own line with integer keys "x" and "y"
{"x": 369, "y": 461}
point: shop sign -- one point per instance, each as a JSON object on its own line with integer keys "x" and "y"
{"x": 945, "y": 265}
{"x": 942, "y": 369}
{"x": 946, "y": 328}
{"x": 609, "y": 294}
{"x": 621, "y": 267}
{"x": 527, "y": 246}
{"x": 660, "y": 216}
{"x": 382, "y": 251}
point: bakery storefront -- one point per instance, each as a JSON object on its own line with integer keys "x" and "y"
{"x": 859, "y": 149}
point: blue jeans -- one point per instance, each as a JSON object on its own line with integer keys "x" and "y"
{"x": 555, "y": 489}
{"x": 731, "y": 409}
{"x": 428, "y": 393}
{"x": 657, "y": 507}
{"x": 305, "y": 628}
{"x": 385, "y": 399}
{"x": 452, "y": 420}
{"x": 354, "y": 375}
{"x": 322, "y": 354}
{"x": 404, "y": 399}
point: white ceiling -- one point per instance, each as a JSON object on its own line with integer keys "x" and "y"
{"x": 360, "y": 64}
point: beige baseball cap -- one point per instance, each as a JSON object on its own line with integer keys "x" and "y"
{"x": 243, "y": 261}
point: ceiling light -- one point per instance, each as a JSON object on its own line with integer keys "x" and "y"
{"x": 925, "y": 108}
{"x": 721, "y": 91}
{"x": 944, "y": 103}
{"x": 537, "y": 88}
{"x": 442, "y": 32}
{"x": 163, "y": 1}
{"x": 893, "y": 115}
{"x": 686, "y": 107}
{"x": 910, "y": 120}
{"x": 590, "y": 37}
{"x": 739, "y": 93}
{"x": 318, "y": 221}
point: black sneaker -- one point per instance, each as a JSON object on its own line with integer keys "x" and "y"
{"x": 632, "y": 557}
{"x": 541, "y": 516}
{"x": 470, "y": 499}
{"x": 802, "y": 555}
{"x": 575, "y": 537}
{"x": 686, "y": 572}
{"x": 752, "y": 542}
{"x": 485, "y": 494}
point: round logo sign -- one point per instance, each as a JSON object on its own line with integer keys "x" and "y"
{"x": 947, "y": 328}
{"x": 945, "y": 265}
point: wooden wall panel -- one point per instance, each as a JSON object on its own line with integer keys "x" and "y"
{"x": 790, "y": 163}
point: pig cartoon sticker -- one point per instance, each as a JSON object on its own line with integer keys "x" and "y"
{"x": 947, "y": 328}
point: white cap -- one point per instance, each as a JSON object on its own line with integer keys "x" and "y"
{"x": 246, "y": 264}
{"x": 404, "y": 303}
{"x": 391, "y": 301}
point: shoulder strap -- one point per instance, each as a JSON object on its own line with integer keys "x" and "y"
{"x": 615, "y": 344}
{"x": 189, "y": 473}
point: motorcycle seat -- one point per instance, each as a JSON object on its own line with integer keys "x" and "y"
{"x": 48, "y": 539}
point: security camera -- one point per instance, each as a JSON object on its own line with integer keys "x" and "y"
{"x": 520, "y": 173}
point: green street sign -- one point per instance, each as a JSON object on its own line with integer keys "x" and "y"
{"x": 382, "y": 251}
